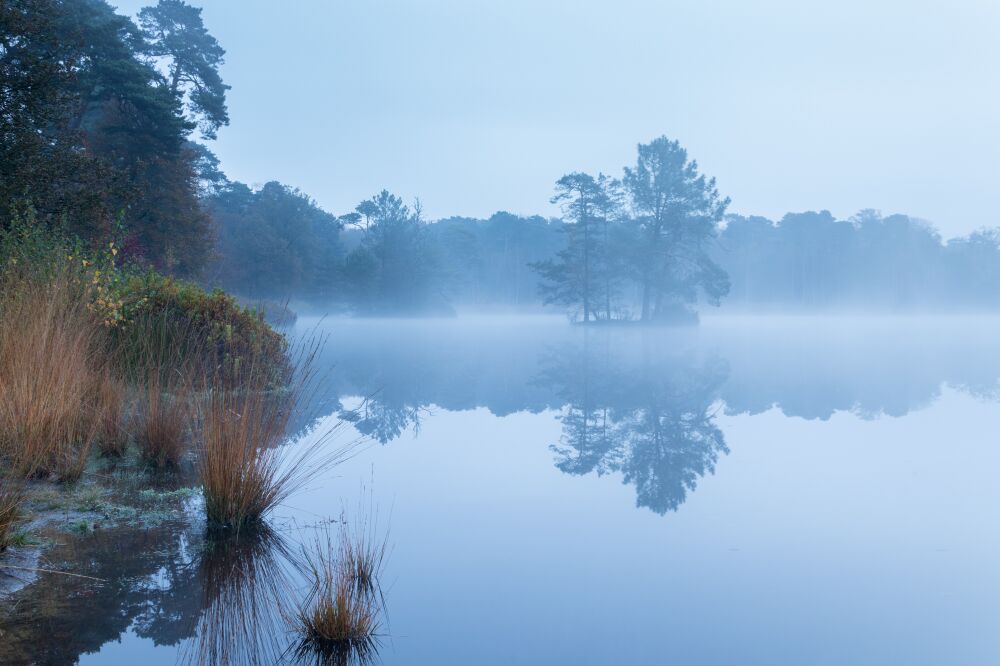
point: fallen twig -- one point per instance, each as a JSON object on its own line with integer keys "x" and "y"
{"x": 52, "y": 571}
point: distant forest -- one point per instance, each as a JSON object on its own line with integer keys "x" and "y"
{"x": 101, "y": 123}
{"x": 804, "y": 261}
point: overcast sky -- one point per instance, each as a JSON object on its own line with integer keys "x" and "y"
{"x": 477, "y": 106}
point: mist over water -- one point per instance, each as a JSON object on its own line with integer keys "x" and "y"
{"x": 752, "y": 490}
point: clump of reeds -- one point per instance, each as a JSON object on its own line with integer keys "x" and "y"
{"x": 11, "y": 496}
{"x": 51, "y": 348}
{"x": 161, "y": 356}
{"x": 162, "y": 425}
{"x": 341, "y": 617}
{"x": 109, "y": 400}
{"x": 246, "y": 471}
{"x": 241, "y": 465}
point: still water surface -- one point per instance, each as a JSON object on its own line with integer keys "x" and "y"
{"x": 772, "y": 490}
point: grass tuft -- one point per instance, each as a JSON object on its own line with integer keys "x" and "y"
{"x": 11, "y": 497}
{"x": 246, "y": 468}
{"x": 109, "y": 400}
{"x": 340, "y": 620}
{"x": 162, "y": 426}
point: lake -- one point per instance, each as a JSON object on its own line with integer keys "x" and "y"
{"x": 770, "y": 490}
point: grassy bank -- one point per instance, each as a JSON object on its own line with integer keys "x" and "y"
{"x": 104, "y": 365}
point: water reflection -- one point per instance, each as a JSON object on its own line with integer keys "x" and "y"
{"x": 216, "y": 601}
{"x": 383, "y": 419}
{"x": 646, "y": 413}
{"x": 642, "y": 403}
{"x": 151, "y": 587}
{"x": 247, "y": 581}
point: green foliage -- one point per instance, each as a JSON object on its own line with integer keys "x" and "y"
{"x": 31, "y": 252}
{"x": 585, "y": 273}
{"x": 212, "y": 326}
{"x": 675, "y": 210}
{"x": 137, "y": 307}
{"x": 89, "y": 128}
{"x": 396, "y": 269}
{"x": 174, "y": 30}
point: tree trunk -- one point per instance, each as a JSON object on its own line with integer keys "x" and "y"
{"x": 586, "y": 269}
{"x": 607, "y": 275}
{"x": 644, "y": 316}
{"x": 176, "y": 80}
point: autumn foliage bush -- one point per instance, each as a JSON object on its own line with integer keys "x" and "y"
{"x": 76, "y": 335}
{"x": 209, "y": 328}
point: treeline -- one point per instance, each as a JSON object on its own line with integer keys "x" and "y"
{"x": 97, "y": 117}
{"x": 629, "y": 248}
{"x": 277, "y": 243}
{"x": 814, "y": 261}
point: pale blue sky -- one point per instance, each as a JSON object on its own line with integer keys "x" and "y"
{"x": 477, "y": 106}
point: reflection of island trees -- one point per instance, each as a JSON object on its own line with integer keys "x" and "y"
{"x": 384, "y": 419}
{"x": 802, "y": 368}
{"x": 640, "y": 412}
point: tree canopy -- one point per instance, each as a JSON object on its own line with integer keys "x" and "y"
{"x": 93, "y": 136}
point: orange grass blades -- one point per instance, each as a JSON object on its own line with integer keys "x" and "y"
{"x": 246, "y": 467}
{"x": 340, "y": 620}
{"x": 109, "y": 401}
{"x": 163, "y": 424}
{"x": 51, "y": 350}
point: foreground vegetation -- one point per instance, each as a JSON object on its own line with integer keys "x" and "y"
{"x": 97, "y": 359}
{"x": 114, "y": 380}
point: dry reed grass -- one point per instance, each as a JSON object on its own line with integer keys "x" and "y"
{"x": 162, "y": 425}
{"x": 51, "y": 351}
{"x": 161, "y": 355}
{"x": 109, "y": 401}
{"x": 245, "y": 470}
{"x": 340, "y": 619}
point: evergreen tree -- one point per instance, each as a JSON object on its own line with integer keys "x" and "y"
{"x": 675, "y": 210}
{"x": 395, "y": 269}
{"x": 176, "y": 36}
{"x": 578, "y": 275}
{"x": 91, "y": 133}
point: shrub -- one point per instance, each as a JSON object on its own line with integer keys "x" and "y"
{"x": 209, "y": 328}
{"x": 211, "y": 324}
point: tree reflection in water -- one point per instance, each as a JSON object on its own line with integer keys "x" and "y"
{"x": 642, "y": 411}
